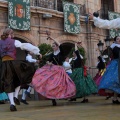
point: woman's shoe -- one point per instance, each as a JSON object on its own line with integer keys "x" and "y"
{"x": 115, "y": 102}
{"x": 54, "y": 102}
{"x": 13, "y": 108}
{"x": 72, "y": 99}
{"x": 84, "y": 101}
{"x": 17, "y": 102}
{"x": 107, "y": 97}
{"x": 24, "y": 102}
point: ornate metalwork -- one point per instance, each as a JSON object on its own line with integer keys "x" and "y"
{"x": 50, "y": 4}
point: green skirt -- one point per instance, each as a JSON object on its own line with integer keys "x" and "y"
{"x": 84, "y": 85}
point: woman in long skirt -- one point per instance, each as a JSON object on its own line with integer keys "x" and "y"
{"x": 51, "y": 81}
{"x": 110, "y": 81}
{"x": 14, "y": 72}
{"x": 101, "y": 70}
{"x": 84, "y": 83}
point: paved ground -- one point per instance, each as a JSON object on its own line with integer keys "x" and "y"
{"x": 97, "y": 109}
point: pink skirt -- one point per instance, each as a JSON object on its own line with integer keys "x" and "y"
{"x": 52, "y": 82}
{"x": 97, "y": 78}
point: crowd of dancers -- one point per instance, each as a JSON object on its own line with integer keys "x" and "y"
{"x": 61, "y": 78}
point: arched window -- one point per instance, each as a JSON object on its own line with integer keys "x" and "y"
{"x": 106, "y": 5}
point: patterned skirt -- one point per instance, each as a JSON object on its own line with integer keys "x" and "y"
{"x": 3, "y": 96}
{"x": 98, "y": 77}
{"x": 52, "y": 82}
{"x": 15, "y": 73}
{"x": 84, "y": 85}
{"x": 110, "y": 81}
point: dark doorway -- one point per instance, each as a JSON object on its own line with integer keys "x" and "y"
{"x": 20, "y": 55}
{"x": 67, "y": 47}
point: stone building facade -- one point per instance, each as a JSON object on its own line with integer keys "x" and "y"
{"x": 89, "y": 35}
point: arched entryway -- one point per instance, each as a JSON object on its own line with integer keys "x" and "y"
{"x": 67, "y": 47}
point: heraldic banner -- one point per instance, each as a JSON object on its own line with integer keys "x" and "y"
{"x": 19, "y": 14}
{"x": 71, "y": 17}
{"x": 114, "y": 32}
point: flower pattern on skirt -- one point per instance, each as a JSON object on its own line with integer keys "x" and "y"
{"x": 110, "y": 79}
{"x": 84, "y": 84}
{"x": 53, "y": 82}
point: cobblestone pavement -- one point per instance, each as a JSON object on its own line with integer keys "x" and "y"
{"x": 97, "y": 109}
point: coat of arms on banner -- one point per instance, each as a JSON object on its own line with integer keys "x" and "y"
{"x": 114, "y": 32}
{"x": 19, "y": 14}
{"x": 71, "y": 17}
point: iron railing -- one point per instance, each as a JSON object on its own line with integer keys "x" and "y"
{"x": 50, "y": 4}
{"x": 55, "y": 5}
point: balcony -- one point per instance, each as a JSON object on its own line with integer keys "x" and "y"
{"x": 54, "y": 5}
{"x": 51, "y": 4}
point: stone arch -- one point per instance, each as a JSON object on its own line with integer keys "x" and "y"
{"x": 26, "y": 39}
{"x": 71, "y": 39}
{"x": 68, "y": 42}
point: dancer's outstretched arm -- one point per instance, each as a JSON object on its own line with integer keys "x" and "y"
{"x": 28, "y": 47}
{"x": 105, "y": 24}
{"x": 55, "y": 41}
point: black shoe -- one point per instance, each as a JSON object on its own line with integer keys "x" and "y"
{"x": 24, "y": 101}
{"x": 72, "y": 99}
{"x": 84, "y": 101}
{"x": 115, "y": 102}
{"x": 13, "y": 108}
{"x": 107, "y": 97}
{"x": 54, "y": 102}
{"x": 28, "y": 94}
{"x": 17, "y": 102}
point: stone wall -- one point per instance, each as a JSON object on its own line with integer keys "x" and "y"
{"x": 90, "y": 35}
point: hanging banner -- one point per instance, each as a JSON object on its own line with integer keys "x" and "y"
{"x": 113, "y": 32}
{"x": 71, "y": 17}
{"x": 19, "y": 14}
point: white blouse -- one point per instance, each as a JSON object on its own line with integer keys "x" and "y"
{"x": 28, "y": 47}
{"x": 107, "y": 24}
{"x": 115, "y": 45}
{"x": 30, "y": 59}
{"x": 67, "y": 66}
